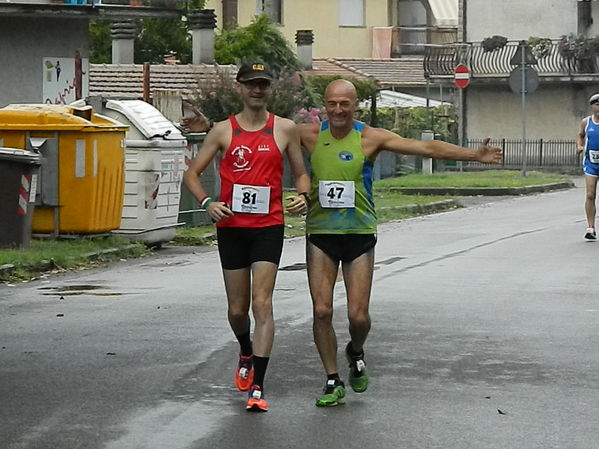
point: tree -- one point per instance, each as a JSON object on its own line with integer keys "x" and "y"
{"x": 158, "y": 39}
{"x": 155, "y": 40}
{"x": 260, "y": 40}
{"x": 100, "y": 51}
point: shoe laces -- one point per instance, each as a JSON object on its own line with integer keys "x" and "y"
{"x": 330, "y": 386}
{"x": 360, "y": 365}
{"x": 245, "y": 365}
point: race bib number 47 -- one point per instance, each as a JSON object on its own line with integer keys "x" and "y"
{"x": 337, "y": 194}
{"x": 251, "y": 199}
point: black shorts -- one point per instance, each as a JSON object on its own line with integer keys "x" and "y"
{"x": 241, "y": 247}
{"x": 343, "y": 247}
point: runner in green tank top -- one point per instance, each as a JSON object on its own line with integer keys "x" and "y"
{"x": 342, "y": 176}
{"x": 341, "y": 223}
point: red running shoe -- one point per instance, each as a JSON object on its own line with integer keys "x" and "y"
{"x": 256, "y": 401}
{"x": 244, "y": 374}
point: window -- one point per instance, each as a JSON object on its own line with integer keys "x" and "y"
{"x": 351, "y": 13}
{"x": 273, "y": 8}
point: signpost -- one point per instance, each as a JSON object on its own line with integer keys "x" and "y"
{"x": 461, "y": 76}
{"x": 523, "y": 80}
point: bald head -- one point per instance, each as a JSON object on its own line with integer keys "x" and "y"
{"x": 340, "y": 101}
{"x": 341, "y": 87}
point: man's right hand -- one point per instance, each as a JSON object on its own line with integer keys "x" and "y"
{"x": 197, "y": 123}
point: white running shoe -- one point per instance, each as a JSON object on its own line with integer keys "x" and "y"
{"x": 590, "y": 234}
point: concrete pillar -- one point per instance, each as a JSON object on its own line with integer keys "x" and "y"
{"x": 304, "y": 40}
{"x": 427, "y": 162}
{"x": 123, "y": 37}
{"x": 202, "y": 24}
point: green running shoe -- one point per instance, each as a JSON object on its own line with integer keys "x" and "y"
{"x": 334, "y": 394}
{"x": 358, "y": 377}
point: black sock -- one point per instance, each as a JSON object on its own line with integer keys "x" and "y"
{"x": 245, "y": 342}
{"x": 260, "y": 364}
{"x": 335, "y": 377}
{"x": 352, "y": 353}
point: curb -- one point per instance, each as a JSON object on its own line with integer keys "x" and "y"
{"x": 437, "y": 206}
{"x": 481, "y": 191}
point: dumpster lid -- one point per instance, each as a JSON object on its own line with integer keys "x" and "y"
{"x": 54, "y": 117}
{"x": 17, "y": 155}
{"x": 145, "y": 117}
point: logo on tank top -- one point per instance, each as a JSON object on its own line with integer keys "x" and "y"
{"x": 345, "y": 156}
{"x": 241, "y": 153}
{"x": 263, "y": 147}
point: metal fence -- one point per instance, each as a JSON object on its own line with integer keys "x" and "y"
{"x": 541, "y": 154}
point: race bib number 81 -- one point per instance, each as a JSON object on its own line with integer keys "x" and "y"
{"x": 251, "y": 199}
{"x": 337, "y": 194}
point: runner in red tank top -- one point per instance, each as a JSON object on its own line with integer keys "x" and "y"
{"x": 249, "y": 215}
{"x": 251, "y": 173}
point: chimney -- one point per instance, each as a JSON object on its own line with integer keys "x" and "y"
{"x": 304, "y": 40}
{"x": 123, "y": 37}
{"x": 202, "y": 24}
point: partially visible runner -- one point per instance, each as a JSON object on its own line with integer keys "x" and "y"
{"x": 249, "y": 215}
{"x": 587, "y": 141}
{"x": 341, "y": 223}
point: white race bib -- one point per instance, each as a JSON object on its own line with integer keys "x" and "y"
{"x": 337, "y": 194}
{"x": 251, "y": 199}
{"x": 594, "y": 156}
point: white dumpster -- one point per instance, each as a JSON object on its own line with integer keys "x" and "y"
{"x": 154, "y": 165}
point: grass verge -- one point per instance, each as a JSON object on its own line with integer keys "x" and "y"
{"x": 488, "y": 178}
{"x": 61, "y": 255}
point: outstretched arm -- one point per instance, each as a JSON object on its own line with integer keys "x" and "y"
{"x": 376, "y": 139}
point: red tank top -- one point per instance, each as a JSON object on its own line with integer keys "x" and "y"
{"x": 253, "y": 159}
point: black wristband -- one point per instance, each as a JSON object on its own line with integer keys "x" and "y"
{"x": 306, "y": 196}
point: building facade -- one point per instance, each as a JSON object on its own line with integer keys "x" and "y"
{"x": 552, "y": 109}
{"x": 44, "y": 45}
{"x": 352, "y": 28}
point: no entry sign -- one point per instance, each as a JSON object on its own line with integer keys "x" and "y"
{"x": 461, "y": 76}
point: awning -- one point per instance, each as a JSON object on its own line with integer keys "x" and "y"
{"x": 391, "y": 99}
{"x": 445, "y": 12}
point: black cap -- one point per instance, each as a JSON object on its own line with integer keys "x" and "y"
{"x": 254, "y": 71}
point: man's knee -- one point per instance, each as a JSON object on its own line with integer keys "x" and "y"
{"x": 359, "y": 318}
{"x": 323, "y": 312}
{"x": 262, "y": 309}
{"x": 238, "y": 312}
{"x": 591, "y": 195}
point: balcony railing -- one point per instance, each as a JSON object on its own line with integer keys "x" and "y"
{"x": 441, "y": 60}
{"x": 413, "y": 40}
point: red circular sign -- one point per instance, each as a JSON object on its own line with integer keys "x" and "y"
{"x": 461, "y": 76}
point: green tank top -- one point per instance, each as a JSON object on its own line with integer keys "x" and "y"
{"x": 341, "y": 195}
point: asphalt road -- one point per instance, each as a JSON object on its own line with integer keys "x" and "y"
{"x": 484, "y": 336}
